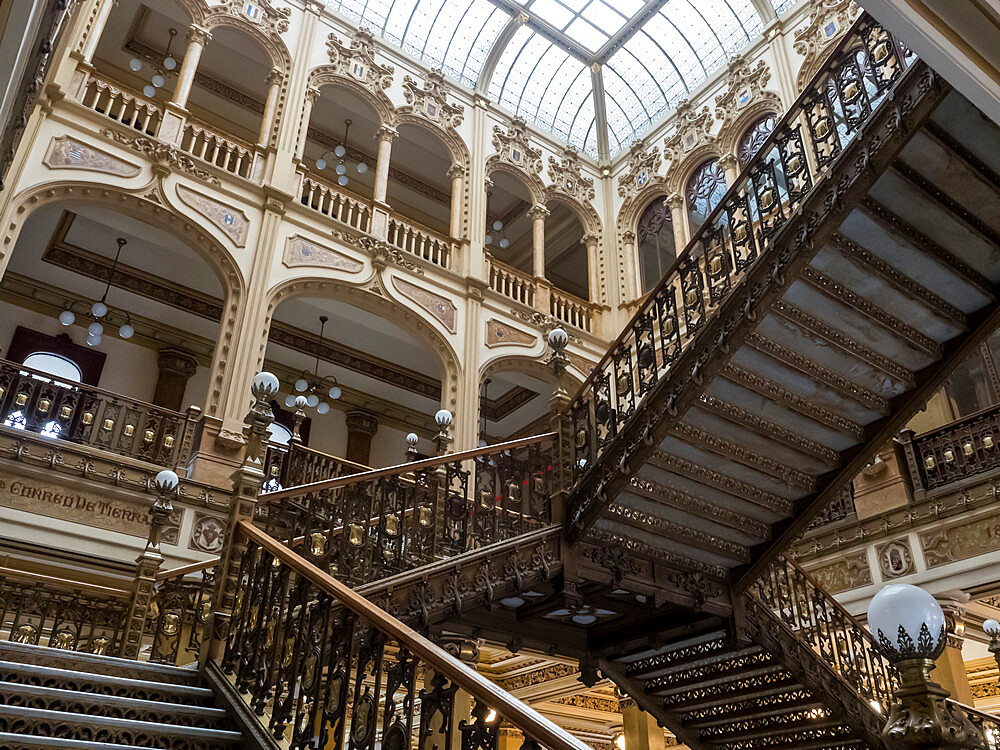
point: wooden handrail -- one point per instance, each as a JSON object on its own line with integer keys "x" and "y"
{"x": 427, "y": 463}
{"x": 64, "y": 584}
{"x": 305, "y": 449}
{"x": 186, "y": 570}
{"x": 507, "y": 706}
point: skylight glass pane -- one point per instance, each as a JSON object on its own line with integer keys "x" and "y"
{"x": 783, "y": 6}
{"x": 454, "y": 35}
{"x": 552, "y": 12}
{"x": 586, "y": 34}
{"x": 604, "y": 17}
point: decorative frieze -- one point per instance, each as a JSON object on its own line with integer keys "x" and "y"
{"x": 944, "y": 544}
{"x": 65, "y": 152}
{"x": 162, "y": 154}
{"x": 847, "y": 572}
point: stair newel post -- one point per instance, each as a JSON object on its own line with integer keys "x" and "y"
{"x": 439, "y": 477}
{"x": 562, "y": 424}
{"x": 148, "y": 563}
{"x": 247, "y": 482}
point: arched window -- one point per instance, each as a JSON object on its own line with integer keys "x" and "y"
{"x": 60, "y": 368}
{"x": 754, "y": 138}
{"x": 705, "y": 189}
{"x": 655, "y": 239}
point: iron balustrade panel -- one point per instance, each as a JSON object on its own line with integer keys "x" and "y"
{"x": 373, "y": 528}
{"x": 320, "y": 675}
{"x": 40, "y": 403}
{"x": 956, "y": 451}
{"x": 40, "y": 615}
{"x": 179, "y": 612}
{"x": 737, "y": 235}
{"x": 829, "y": 630}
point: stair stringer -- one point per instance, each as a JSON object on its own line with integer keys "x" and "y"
{"x": 839, "y": 697}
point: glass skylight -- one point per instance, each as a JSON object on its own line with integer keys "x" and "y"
{"x": 646, "y": 68}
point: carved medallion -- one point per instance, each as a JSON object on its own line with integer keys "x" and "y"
{"x": 208, "y": 533}
{"x": 693, "y": 130}
{"x": 232, "y": 221}
{"x": 567, "y": 175}
{"x": 66, "y": 152}
{"x": 501, "y": 334}
{"x": 440, "y": 307}
{"x": 302, "y": 252}
{"x": 894, "y": 558}
{"x": 515, "y": 148}
{"x": 357, "y": 60}
{"x": 642, "y": 166}
{"x": 431, "y": 101}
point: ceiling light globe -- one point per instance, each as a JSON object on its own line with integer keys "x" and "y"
{"x": 558, "y": 338}
{"x": 265, "y": 385}
{"x": 99, "y": 309}
{"x": 342, "y": 180}
{"x": 340, "y": 151}
{"x": 362, "y": 167}
{"x": 149, "y": 91}
{"x": 67, "y": 318}
{"x": 93, "y": 340}
{"x": 443, "y": 419}
{"x": 489, "y": 239}
{"x": 323, "y": 408}
{"x": 158, "y": 80}
{"x": 301, "y": 384}
{"x": 289, "y": 401}
{"x": 411, "y": 439}
{"x": 335, "y": 392}
{"x": 135, "y": 64}
{"x": 991, "y": 628}
{"x": 907, "y": 622}
{"x": 169, "y": 63}
{"x": 341, "y": 169}
{"x": 95, "y": 329}
{"x": 498, "y": 225}
{"x": 312, "y": 399}
{"x": 166, "y": 481}
{"x": 301, "y": 402}
{"x": 321, "y": 164}
{"x": 504, "y": 243}
{"x": 126, "y": 331}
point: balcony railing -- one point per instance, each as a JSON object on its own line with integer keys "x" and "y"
{"x": 571, "y": 310}
{"x": 293, "y": 465}
{"x": 38, "y": 402}
{"x": 225, "y": 153}
{"x": 120, "y": 104}
{"x": 420, "y": 241}
{"x": 953, "y": 452}
{"x": 792, "y": 160}
{"x": 510, "y": 282}
{"x": 327, "y": 200}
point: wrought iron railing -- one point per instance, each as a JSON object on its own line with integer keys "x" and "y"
{"x": 366, "y": 526}
{"x": 791, "y": 161}
{"x": 294, "y": 464}
{"x": 955, "y": 451}
{"x": 829, "y": 630}
{"x": 320, "y": 664}
{"x": 40, "y": 610}
{"x": 988, "y": 723}
{"x": 181, "y": 607}
{"x": 38, "y": 402}
{"x": 840, "y": 508}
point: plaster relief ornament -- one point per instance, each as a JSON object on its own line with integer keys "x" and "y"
{"x": 208, "y": 534}
{"x": 642, "y": 166}
{"x": 515, "y": 148}
{"x": 259, "y": 12}
{"x": 693, "y": 129}
{"x": 431, "y": 101}
{"x": 828, "y": 21}
{"x": 65, "y": 152}
{"x": 567, "y": 175}
{"x": 745, "y": 86}
{"x": 357, "y": 61}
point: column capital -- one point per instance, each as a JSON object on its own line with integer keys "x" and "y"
{"x": 729, "y": 162}
{"x": 362, "y": 421}
{"x": 628, "y": 237}
{"x": 456, "y": 170}
{"x": 386, "y": 133}
{"x": 198, "y": 35}
{"x": 538, "y": 211}
{"x": 273, "y": 77}
{"x": 590, "y": 239}
{"x": 676, "y": 200}
{"x": 177, "y": 361}
{"x": 312, "y": 94}
{"x": 478, "y": 100}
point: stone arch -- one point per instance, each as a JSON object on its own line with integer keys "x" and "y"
{"x": 377, "y": 304}
{"x": 533, "y": 183}
{"x": 272, "y": 43}
{"x": 729, "y": 138}
{"x": 533, "y": 366}
{"x": 626, "y": 229}
{"x": 330, "y": 75}
{"x": 680, "y": 174}
{"x": 587, "y": 214}
{"x": 151, "y": 208}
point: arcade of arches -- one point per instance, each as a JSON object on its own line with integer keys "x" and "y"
{"x": 394, "y": 225}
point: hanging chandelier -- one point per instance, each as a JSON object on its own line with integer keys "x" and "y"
{"x": 340, "y": 155}
{"x": 315, "y": 388}
{"x": 99, "y": 311}
{"x": 497, "y": 226}
{"x": 161, "y": 70}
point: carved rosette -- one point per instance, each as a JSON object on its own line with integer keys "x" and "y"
{"x": 642, "y": 166}
{"x": 514, "y": 147}
{"x": 431, "y": 101}
{"x": 357, "y": 61}
{"x": 567, "y": 175}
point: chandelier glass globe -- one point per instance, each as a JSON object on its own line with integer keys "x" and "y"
{"x": 362, "y": 167}
{"x": 323, "y": 408}
{"x": 126, "y": 331}
{"x": 67, "y": 318}
{"x": 135, "y": 64}
{"x": 312, "y": 399}
{"x": 335, "y": 392}
{"x": 99, "y": 309}
{"x": 289, "y": 401}
{"x": 498, "y": 225}
{"x": 95, "y": 329}
{"x": 148, "y": 90}
{"x": 170, "y": 63}
{"x": 342, "y": 180}
{"x": 321, "y": 163}
{"x": 340, "y": 150}
{"x": 301, "y": 384}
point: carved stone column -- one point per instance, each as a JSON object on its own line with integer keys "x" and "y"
{"x": 197, "y": 39}
{"x": 361, "y": 428}
{"x": 538, "y": 212}
{"x": 273, "y": 83}
{"x": 641, "y": 730}
{"x": 731, "y": 167}
{"x": 96, "y": 29}
{"x": 380, "y": 214}
{"x": 176, "y": 369}
{"x": 312, "y": 94}
{"x": 675, "y": 203}
{"x": 457, "y": 175}
{"x": 593, "y": 272}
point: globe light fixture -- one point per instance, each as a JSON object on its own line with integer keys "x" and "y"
{"x": 911, "y": 630}
{"x": 314, "y": 389}
{"x": 265, "y": 385}
{"x": 99, "y": 311}
{"x": 160, "y": 70}
{"x": 443, "y": 419}
{"x": 339, "y": 153}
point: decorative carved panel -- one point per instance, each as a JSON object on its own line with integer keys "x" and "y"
{"x": 357, "y": 61}
{"x": 693, "y": 129}
{"x": 961, "y": 540}
{"x": 302, "y": 252}
{"x": 894, "y": 558}
{"x": 642, "y": 166}
{"x": 744, "y": 91}
{"x": 828, "y": 20}
{"x": 567, "y": 176}
{"x": 849, "y": 572}
{"x": 232, "y": 221}
{"x": 514, "y": 147}
{"x": 65, "y": 152}
{"x": 501, "y": 334}
{"x": 260, "y": 12}
{"x": 440, "y": 307}
{"x": 431, "y": 101}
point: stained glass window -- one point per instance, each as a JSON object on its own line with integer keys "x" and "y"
{"x": 705, "y": 189}
{"x": 655, "y": 240}
{"x": 754, "y": 138}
